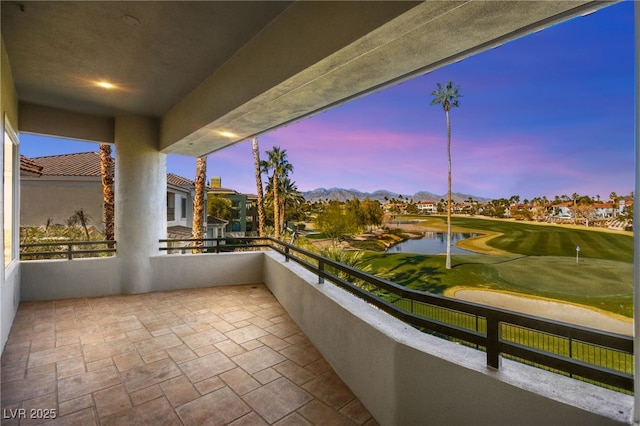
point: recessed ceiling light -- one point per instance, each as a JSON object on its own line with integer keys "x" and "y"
{"x": 106, "y": 85}
{"x": 227, "y": 134}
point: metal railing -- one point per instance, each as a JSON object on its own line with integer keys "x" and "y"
{"x": 591, "y": 355}
{"x": 66, "y": 249}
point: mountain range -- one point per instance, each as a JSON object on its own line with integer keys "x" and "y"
{"x": 342, "y": 194}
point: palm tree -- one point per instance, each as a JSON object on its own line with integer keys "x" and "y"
{"x": 289, "y": 197}
{"x": 79, "y": 217}
{"x": 448, "y": 97}
{"x": 197, "y": 227}
{"x": 106, "y": 171}
{"x": 256, "y": 162}
{"x": 278, "y": 163}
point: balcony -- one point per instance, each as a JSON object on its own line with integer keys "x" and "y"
{"x": 401, "y": 375}
{"x": 213, "y": 355}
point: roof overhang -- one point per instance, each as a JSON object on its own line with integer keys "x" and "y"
{"x": 217, "y": 73}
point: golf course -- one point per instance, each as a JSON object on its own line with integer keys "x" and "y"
{"x": 523, "y": 259}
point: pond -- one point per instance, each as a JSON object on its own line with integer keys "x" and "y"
{"x": 432, "y": 243}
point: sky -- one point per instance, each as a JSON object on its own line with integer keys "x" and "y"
{"x": 549, "y": 114}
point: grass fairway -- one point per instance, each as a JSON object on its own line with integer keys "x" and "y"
{"x": 542, "y": 263}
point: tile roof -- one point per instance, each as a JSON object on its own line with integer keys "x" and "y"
{"x": 30, "y": 166}
{"x": 79, "y": 164}
{"x": 175, "y": 180}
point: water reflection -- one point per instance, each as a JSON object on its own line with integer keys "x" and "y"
{"x": 432, "y": 243}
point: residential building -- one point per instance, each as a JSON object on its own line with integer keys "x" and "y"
{"x": 427, "y": 207}
{"x": 54, "y": 187}
{"x": 194, "y": 78}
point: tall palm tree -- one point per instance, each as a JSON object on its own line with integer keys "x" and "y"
{"x": 256, "y": 162}
{"x": 106, "y": 172}
{"x": 278, "y": 163}
{"x": 448, "y": 96}
{"x": 197, "y": 227}
{"x": 289, "y": 197}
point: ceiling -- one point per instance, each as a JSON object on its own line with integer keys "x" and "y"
{"x": 216, "y": 73}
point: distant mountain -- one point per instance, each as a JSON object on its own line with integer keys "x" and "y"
{"x": 342, "y": 194}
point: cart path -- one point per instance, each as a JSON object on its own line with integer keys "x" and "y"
{"x": 546, "y": 308}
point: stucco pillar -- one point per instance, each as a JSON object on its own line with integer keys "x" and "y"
{"x": 140, "y": 205}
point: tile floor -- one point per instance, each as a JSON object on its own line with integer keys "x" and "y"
{"x": 225, "y": 355}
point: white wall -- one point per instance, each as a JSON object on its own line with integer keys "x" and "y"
{"x": 405, "y": 377}
{"x": 62, "y": 279}
{"x": 9, "y": 279}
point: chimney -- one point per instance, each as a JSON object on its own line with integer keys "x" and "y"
{"x": 216, "y": 182}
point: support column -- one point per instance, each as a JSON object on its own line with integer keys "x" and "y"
{"x": 140, "y": 199}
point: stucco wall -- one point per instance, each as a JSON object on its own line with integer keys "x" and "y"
{"x": 56, "y": 199}
{"x": 61, "y": 279}
{"x": 405, "y": 377}
{"x": 10, "y": 279}
{"x": 65, "y": 279}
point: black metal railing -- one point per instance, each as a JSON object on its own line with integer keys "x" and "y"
{"x": 67, "y": 249}
{"x": 591, "y": 355}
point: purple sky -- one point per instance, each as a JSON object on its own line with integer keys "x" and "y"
{"x": 549, "y": 114}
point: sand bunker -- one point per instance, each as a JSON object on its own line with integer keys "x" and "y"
{"x": 549, "y": 309}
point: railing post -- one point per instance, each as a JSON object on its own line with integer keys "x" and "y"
{"x": 493, "y": 342}
{"x": 69, "y": 252}
{"x": 320, "y": 272}
{"x": 286, "y": 254}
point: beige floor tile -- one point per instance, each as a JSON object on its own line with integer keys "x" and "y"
{"x": 330, "y": 389}
{"x": 70, "y": 367}
{"x": 111, "y": 400}
{"x": 258, "y": 359}
{"x": 209, "y": 385}
{"x": 274, "y": 342}
{"x": 206, "y": 366}
{"x": 230, "y": 348}
{"x": 204, "y": 338}
{"x": 267, "y": 375}
{"x": 356, "y": 412}
{"x": 302, "y": 353}
{"x": 295, "y": 373}
{"x": 82, "y": 384}
{"x": 251, "y": 419}
{"x": 146, "y": 394}
{"x": 50, "y": 356}
{"x": 163, "y": 342}
{"x": 238, "y": 380}
{"x": 127, "y": 361}
{"x": 149, "y": 374}
{"x": 86, "y": 417}
{"x": 293, "y": 419}
{"x": 277, "y": 399}
{"x": 181, "y": 354}
{"x": 27, "y": 388}
{"x": 157, "y": 412}
{"x": 229, "y": 407}
{"x": 283, "y": 329}
{"x": 76, "y": 404}
{"x": 320, "y": 414}
{"x": 97, "y": 351}
{"x": 179, "y": 390}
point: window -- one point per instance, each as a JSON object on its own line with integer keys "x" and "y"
{"x": 9, "y": 183}
{"x": 171, "y": 206}
{"x": 183, "y": 208}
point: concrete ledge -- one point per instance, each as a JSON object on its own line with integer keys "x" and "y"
{"x": 172, "y": 272}
{"x": 66, "y": 279}
{"x": 406, "y": 377}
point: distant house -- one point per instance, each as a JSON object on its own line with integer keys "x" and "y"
{"x": 427, "y": 207}
{"x": 54, "y": 187}
{"x": 602, "y": 210}
{"x": 562, "y": 210}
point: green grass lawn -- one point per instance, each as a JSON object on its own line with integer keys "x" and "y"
{"x": 542, "y": 263}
